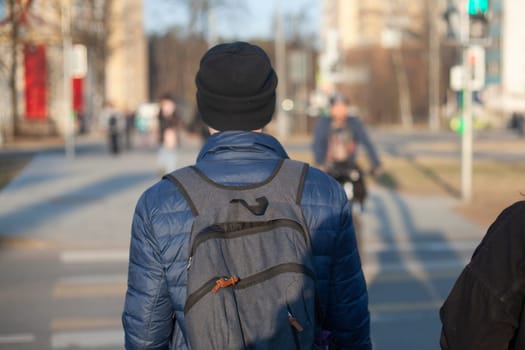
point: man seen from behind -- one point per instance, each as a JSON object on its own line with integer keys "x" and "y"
{"x": 236, "y": 98}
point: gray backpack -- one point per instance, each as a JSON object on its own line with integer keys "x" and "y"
{"x": 251, "y": 284}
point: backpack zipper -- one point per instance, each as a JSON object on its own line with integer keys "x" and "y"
{"x": 272, "y": 272}
{"x": 202, "y": 237}
{"x": 242, "y": 283}
{"x": 224, "y": 283}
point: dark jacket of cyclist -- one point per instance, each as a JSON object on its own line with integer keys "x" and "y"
{"x": 336, "y": 138}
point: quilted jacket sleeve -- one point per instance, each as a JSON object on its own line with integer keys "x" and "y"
{"x": 347, "y": 315}
{"x": 148, "y": 316}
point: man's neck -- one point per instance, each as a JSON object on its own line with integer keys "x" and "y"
{"x": 214, "y": 131}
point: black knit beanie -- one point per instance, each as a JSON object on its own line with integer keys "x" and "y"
{"x": 236, "y": 87}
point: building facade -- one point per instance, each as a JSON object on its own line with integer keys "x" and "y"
{"x": 112, "y": 35}
{"x": 513, "y": 57}
{"x": 360, "y": 42}
{"x": 126, "y": 69}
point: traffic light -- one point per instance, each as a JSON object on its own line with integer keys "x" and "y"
{"x": 478, "y": 19}
{"x": 478, "y": 7}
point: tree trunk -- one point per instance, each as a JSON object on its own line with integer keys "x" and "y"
{"x": 405, "y": 107}
{"x": 13, "y": 71}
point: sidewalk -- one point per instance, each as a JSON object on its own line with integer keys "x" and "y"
{"x": 84, "y": 202}
{"x": 90, "y": 200}
{"x": 414, "y": 233}
{"x": 414, "y": 246}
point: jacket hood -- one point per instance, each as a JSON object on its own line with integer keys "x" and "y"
{"x": 227, "y": 145}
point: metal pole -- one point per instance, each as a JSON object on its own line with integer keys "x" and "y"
{"x": 280, "y": 57}
{"x": 211, "y": 30}
{"x": 405, "y": 104}
{"x": 433, "y": 69}
{"x": 67, "y": 47}
{"x": 466, "y": 141}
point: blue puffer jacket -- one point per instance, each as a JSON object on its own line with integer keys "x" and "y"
{"x": 153, "y": 315}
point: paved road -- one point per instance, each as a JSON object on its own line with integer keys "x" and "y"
{"x": 61, "y": 298}
{"x": 63, "y": 258}
{"x": 66, "y": 232}
{"x": 501, "y": 144}
{"x": 415, "y": 248}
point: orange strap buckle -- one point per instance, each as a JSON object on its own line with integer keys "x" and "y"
{"x": 224, "y": 282}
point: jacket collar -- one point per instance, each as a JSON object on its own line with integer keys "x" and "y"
{"x": 227, "y": 145}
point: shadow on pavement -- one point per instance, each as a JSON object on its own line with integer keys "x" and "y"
{"x": 26, "y": 181}
{"x": 17, "y": 223}
{"x": 435, "y": 177}
{"x": 415, "y": 270}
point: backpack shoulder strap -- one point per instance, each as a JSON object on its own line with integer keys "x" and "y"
{"x": 175, "y": 177}
{"x": 287, "y": 179}
{"x": 291, "y": 178}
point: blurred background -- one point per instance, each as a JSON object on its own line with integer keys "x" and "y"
{"x": 440, "y": 85}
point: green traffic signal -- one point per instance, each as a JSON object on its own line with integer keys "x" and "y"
{"x": 457, "y": 124}
{"x": 478, "y": 7}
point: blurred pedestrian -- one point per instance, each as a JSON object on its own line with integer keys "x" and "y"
{"x": 486, "y": 307}
{"x": 145, "y": 125}
{"x": 129, "y": 128}
{"x": 236, "y": 98}
{"x": 517, "y": 122}
{"x": 113, "y": 123}
{"x": 168, "y": 127}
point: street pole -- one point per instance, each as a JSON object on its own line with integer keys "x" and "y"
{"x": 405, "y": 104}
{"x": 67, "y": 109}
{"x": 433, "y": 68}
{"x": 280, "y": 57}
{"x": 211, "y": 27}
{"x": 466, "y": 141}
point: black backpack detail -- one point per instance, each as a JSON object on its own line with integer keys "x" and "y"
{"x": 251, "y": 283}
{"x": 258, "y": 209}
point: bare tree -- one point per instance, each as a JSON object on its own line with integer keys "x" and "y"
{"x": 174, "y": 59}
{"x": 14, "y": 15}
{"x": 202, "y": 14}
{"x": 174, "y": 56}
{"x": 92, "y": 27}
{"x": 405, "y": 104}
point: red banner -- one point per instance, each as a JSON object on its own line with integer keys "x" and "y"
{"x": 35, "y": 65}
{"x": 78, "y": 94}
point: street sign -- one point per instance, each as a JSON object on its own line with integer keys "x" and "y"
{"x": 457, "y": 78}
{"x": 299, "y": 66}
{"x": 476, "y": 71}
{"x": 79, "y": 61}
{"x": 476, "y": 62}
